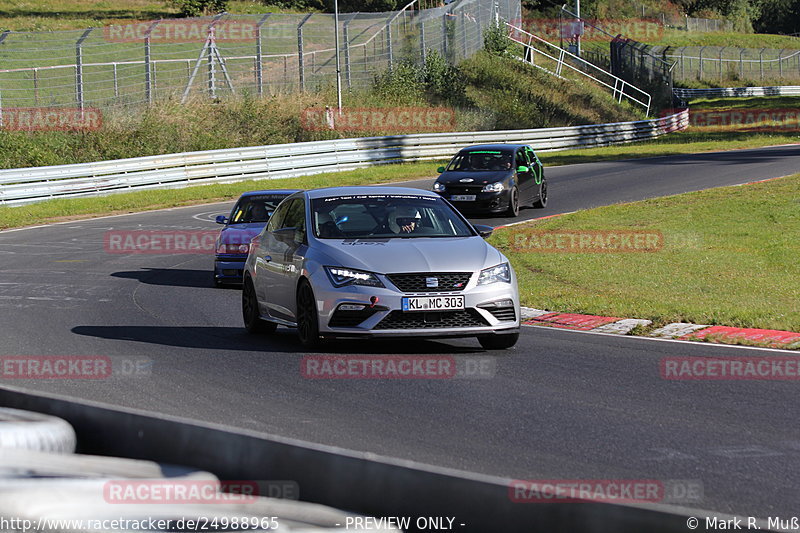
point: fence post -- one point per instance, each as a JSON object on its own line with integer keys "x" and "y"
{"x": 300, "y": 58}
{"x": 148, "y": 82}
{"x": 259, "y": 65}
{"x": 36, "y": 87}
{"x": 422, "y": 39}
{"x": 79, "y": 67}
{"x": 761, "y": 62}
{"x": 683, "y": 72}
{"x": 780, "y": 62}
{"x": 463, "y": 19}
{"x": 347, "y": 67}
{"x": 212, "y": 70}
{"x": 741, "y": 64}
{"x": 700, "y": 75}
{"x": 444, "y": 35}
{"x": 720, "y": 61}
{"x": 389, "y": 43}
{"x": 116, "y": 83}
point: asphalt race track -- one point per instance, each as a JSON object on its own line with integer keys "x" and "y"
{"x": 561, "y": 405}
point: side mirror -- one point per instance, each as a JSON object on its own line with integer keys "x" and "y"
{"x": 221, "y": 219}
{"x": 483, "y": 230}
{"x": 522, "y": 169}
{"x": 440, "y": 170}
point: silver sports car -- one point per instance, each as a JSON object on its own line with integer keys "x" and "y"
{"x": 378, "y": 261}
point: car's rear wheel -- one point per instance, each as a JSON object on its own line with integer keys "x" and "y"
{"x": 513, "y": 202}
{"x": 307, "y": 319}
{"x": 253, "y": 323}
{"x": 498, "y": 341}
{"x": 542, "y": 201}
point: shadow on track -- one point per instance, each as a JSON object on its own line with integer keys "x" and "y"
{"x": 169, "y": 277}
{"x": 283, "y": 341}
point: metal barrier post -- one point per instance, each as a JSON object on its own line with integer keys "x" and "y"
{"x": 148, "y": 82}
{"x": 300, "y": 57}
{"x": 422, "y": 40}
{"x": 761, "y": 62}
{"x": 79, "y": 67}
{"x": 116, "y": 83}
{"x": 389, "y": 44}
{"x": 347, "y": 65}
{"x": 259, "y": 61}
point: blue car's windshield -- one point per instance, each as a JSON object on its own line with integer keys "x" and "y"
{"x": 385, "y": 216}
{"x": 481, "y": 160}
{"x": 255, "y": 208}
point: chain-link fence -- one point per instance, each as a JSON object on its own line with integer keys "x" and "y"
{"x": 674, "y": 19}
{"x": 713, "y": 63}
{"x": 636, "y": 63}
{"x": 122, "y": 66}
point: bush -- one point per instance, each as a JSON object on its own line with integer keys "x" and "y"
{"x": 495, "y": 40}
{"x": 198, "y": 8}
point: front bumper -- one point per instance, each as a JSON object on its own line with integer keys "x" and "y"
{"x": 385, "y": 318}
{"x": 485, "y": 202}
{"x": 229, "y": 268}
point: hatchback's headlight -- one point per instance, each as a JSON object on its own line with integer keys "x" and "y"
{"x": 438, "y": 187}
{"x": 493, "y": 187}
{"x": 341, "y": 276}
{"x": 233, "y": 248}
{"x": 495, "y": 274}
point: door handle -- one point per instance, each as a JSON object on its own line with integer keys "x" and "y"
{"x": 267, "y": 258}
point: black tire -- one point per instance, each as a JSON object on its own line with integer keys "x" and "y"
{"x": 542, "y": 200}
{"x": 497, "y": 341}
{"x": 253, "y": 323}
{"x": 307, "y": 319}
{"x": 513, "y": 202}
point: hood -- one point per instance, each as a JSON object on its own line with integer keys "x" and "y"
{"x": 479, "y": 177}
{"x": 240, "y": 233}
{"x": 417, "y": 254}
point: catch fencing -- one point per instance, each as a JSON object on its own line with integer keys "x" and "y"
{"x": 728, "y": 62}
{"x": 25, "y": 185}
{"x": 136, "y": 64}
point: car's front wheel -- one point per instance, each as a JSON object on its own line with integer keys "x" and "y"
{"x": 513, "y": 202}
{"x": 542, "y": 201}
{"x": 253, "y": 322}
{"x": 307, "y": 319}
{"x": 498, "y": 341}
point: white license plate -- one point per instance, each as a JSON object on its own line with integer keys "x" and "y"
{"x": 433, "y": 303}
{"x": 463, "y": 197}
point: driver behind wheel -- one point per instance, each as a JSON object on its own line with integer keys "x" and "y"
{"x": 404, "y": 219}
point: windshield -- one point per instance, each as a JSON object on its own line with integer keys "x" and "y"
{"x": 385, "y": 216}
{"x": 481, "y": 160}
{"x": 255, "y": 208}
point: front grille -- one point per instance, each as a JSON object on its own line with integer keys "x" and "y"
{"x": 468, "y": 318}
{"x": 503, "y": 313}
{"x": 350, "y": 319}
{"x": 447, "y": 281}
{"x": 464, "y": 189}
{"x": 231, "y": 272}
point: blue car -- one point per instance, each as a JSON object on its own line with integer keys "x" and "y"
{"x": 247, "y": 219}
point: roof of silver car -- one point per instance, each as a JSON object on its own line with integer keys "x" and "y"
{"x": 354, "y": 190}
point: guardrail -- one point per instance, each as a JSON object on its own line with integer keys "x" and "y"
{"x": 344, "y": 479}
{"x": 25, "y": 185}
{"x": 619, "y": 88}
{"x": 743, "y": 92}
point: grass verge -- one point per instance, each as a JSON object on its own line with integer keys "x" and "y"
{"x": 729, "y": 257}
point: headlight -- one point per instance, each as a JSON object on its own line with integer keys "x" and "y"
{"x": 341, "y": 276}
{"x": 438, "y": 187}
{"x": 493, "y": 187}
{"x": 233, "y": 248}
{"x": 495, "y": 274}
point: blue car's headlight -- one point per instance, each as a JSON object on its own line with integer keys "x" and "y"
{"x": 495, "y": 274}
{"x": 341, "y": 276}
{"x": 493, "y": 187}
{"x": 438, "y": 187}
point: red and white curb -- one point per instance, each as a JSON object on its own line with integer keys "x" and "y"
{"x": 677, "y": 330}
